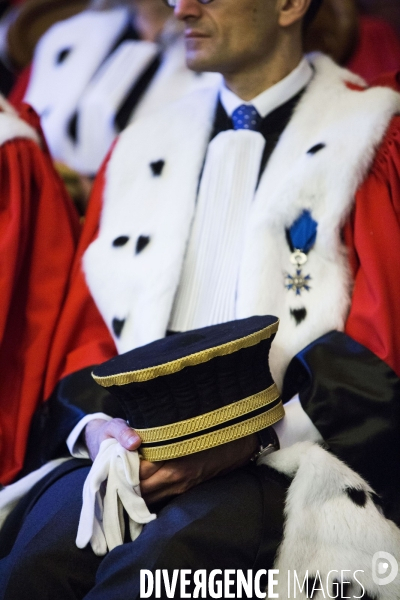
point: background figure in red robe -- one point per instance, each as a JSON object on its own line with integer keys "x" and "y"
{"x": 95, "y": 72}
{"x": 363, "y": 41}
{"x": 385, "y": 9}
{"x": 38, "y": 235}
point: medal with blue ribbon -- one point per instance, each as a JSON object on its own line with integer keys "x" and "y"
{"x": 301, "y": 238}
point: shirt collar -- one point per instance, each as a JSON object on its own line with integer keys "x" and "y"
{"x": 274, "y": 96}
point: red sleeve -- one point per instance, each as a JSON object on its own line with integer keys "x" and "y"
{"x": 373, "y": 238}
{"x": 38, "y": 235}
{"x": 82, "y": 338}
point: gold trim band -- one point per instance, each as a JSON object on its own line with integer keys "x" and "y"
{"x": 175, "y": 366}
{"x": 215, "y": 438}
{"x": 210, "y": 419}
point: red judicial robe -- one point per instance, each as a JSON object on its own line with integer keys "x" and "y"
{"x": 372, "y": 236}
{"x": 38, "y": 235}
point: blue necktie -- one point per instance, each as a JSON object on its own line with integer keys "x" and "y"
{"x": 246, "y": 117}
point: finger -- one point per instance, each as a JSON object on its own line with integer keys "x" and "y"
{"x": 147, "y": 469}
{"x": 159, "y": 495}
{"x": 164, "y": 483}
{"x": 94, "y": 435}
{"x": 125, "y": 435}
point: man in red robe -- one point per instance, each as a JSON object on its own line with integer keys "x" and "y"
{"x": 38, "y": 236}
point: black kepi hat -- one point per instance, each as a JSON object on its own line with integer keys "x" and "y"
{"x": 192, "y": 391}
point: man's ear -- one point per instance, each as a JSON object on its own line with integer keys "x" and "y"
{"x": 292, "y": 11}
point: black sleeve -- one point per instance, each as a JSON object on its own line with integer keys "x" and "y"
{"x": 74, "y": 397}
{"x": 353, "y": 398}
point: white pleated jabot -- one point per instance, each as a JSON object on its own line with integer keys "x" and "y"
{"x": 207, "y": 291}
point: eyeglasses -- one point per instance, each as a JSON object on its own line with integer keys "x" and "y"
{"x": 173, "y": 3}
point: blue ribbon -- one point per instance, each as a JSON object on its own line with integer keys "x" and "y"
{"x": 303, "y": 233}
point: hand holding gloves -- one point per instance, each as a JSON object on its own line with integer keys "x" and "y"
{"x": 102, "y": 522}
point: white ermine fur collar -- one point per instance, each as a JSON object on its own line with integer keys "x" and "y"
{"x": 133, "y": 268}
{"x": 12, "y": 127}
{"x": 333, "y": 529}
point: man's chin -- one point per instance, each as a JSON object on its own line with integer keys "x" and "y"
{"x": 199, "y": 64}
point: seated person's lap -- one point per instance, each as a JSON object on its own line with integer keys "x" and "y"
{"x": 234, "y": 521}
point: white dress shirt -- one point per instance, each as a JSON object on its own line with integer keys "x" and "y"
{"x": 274, "y": 96}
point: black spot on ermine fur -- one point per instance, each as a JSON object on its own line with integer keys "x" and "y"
{"x": 316, "y": 149}
{"x": 141, "y": 243}
{"x": 299, "y": 314}
{"x": 157, "y": 167}
{"x": 120, "y": 241}
{"x": 61, "y": 56}
{"x": 118, "y": 325}
{"x": 359, "y": 497}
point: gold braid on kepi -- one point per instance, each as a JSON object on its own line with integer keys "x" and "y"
{"x": 193, "y": 391}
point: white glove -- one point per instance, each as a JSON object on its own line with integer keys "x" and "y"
{"x": 101, "y": 522}
{"x": 123, "y": 491}
{"x": 90, "y": 527}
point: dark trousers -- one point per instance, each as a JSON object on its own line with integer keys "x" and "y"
{"x": 230, "y": 522}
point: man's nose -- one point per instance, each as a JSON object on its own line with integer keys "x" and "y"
{"x": 186, "y": 9}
